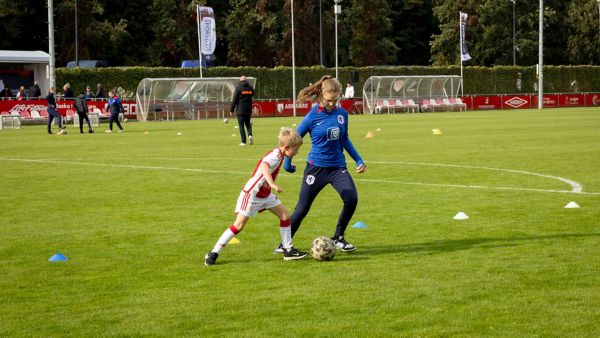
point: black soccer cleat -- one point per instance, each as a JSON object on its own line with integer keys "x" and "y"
{"x": 341, "y": 244}
{"x": 210, "y": 258}
{"x": 292, "y": 254}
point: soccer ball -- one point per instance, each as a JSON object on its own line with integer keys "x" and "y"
{"x": 226, "y": 120}
{"x": 62, "y": 131}
{"x": 323, "y": 249}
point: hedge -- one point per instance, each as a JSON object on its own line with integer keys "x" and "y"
{"x": 276, "y": 82}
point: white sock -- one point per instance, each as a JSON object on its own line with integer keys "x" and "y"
{"x": 286, "y": 236}
{"x": 224, "y": 239}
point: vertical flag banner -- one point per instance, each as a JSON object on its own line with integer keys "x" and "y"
{"x": 208, "y": 33}
{"x": 464, "y": 52}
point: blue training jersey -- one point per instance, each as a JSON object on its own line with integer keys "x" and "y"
{"x": 329, "y": 137}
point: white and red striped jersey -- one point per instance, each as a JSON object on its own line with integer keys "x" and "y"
{"x": 258, "y": 185}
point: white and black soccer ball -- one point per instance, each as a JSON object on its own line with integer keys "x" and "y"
{"x": 63, "y": 131}
{"x": 323, "y": 249}
{"x": 226, "y": 120}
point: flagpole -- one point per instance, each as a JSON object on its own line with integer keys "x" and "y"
{"x": 460, "y": 43}
{"x": 199, "y": 38}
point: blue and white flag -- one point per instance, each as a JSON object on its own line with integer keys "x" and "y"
{"x": 464, "y": 52}
{"x": 208, "y": 32}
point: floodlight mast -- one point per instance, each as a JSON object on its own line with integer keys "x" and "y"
{"x": 293, "y": 64}
{"x": 541, "y": 58}
{"x": 515, "y": 32}
{"x": 598, "y": 14}
{"x": 51, "y": 65}
{"x": 337, "y": 9}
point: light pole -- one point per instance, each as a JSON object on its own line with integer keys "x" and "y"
{"x": 541, "y": 58}
{"x": 337, "y": 9}
{"x": 321, "y": 35}
{"x": 293, "y": 63}
{"x": 515, "y": 34}
{"x": 76, "y": 39}
{"x": 598, "y": 14}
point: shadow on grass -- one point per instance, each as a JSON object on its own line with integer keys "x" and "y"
{"x": 441, "y": 246}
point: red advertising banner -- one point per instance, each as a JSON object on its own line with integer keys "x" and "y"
{"x": 26, "y": 106}
{"x": 592, "y": 100}
{"x": 486, "y": 102}
{"x": 571, "y": 100}
{"x": 516, "y": 102}
{"x": 550, "y": 101}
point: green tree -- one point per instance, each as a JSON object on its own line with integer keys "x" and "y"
{"x": 101, "y": 35}
{"x": 252, "y": 32}
{"x": 584, "y": 32}
{"x": 488, "y": 32}
{"x": 175, "y": 32}
{"x": 370, "y": 33}
{"x": 23, "y": 25}
{"x": 413, "y": 24}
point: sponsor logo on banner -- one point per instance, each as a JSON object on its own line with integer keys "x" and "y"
{"x": 596, "y": 100}
{"x": 208, "y": 31}
{"x": 516, "y": 102}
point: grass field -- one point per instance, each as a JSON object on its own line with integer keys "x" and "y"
{"x": 136, "y": 212}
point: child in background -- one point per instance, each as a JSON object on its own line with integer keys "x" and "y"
{"x": 256, "y": 196}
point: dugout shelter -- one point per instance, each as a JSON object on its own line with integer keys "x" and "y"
{"x": 411, "y": 93}
{"x": 185, "y": 98}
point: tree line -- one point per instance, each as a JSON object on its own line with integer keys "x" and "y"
{"x": 258, "y": 32}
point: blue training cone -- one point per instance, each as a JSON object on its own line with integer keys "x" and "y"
{"x": 359, "y": 224}
{"x": 58, "y": 258}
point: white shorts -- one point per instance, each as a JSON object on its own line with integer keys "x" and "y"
{"x": 249, "y": 205}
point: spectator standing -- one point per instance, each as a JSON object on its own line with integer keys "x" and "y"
{"x": 99, "y": 91}
{"x": 82, "y": 110}
{"x": 21, "y": 94}
{"x": 256, "y": 196}
{"x": 115, "y": 107}
{"x": 5, "y": 92}
{"x": 349, "y": 94}
{"x": 242, "y": 106}
{"x": 327, "y": 125}
{"x": 35, "y": 91}
{"x": 67, "y": 91}
{"x": 89, "y": 94}
{"x": 52, "y": 112}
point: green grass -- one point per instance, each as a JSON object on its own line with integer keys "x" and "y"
{"x": 136, "y": 212}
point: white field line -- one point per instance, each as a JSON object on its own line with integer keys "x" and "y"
{"x": 576, "y": 187}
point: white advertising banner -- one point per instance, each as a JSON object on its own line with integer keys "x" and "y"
{"x": 208, "y": 33}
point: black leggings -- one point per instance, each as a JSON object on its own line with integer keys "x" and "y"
{"x": 114, "y": 117}
{"x": 315, "y": 179}
{"x": 244, "y": 121}
{"x": 81, "y": 118}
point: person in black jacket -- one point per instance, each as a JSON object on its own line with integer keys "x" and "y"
{"x": 99, "y": 91}
{"x": 35, "y": 91}
{"x": 68, "y": 92}
{"x": 53, "y": 113}
{"x": 242, "y": 106}
{"x": 82, "y": 109}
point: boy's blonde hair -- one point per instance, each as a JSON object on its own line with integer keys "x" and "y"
{"x": 288, "y": 137}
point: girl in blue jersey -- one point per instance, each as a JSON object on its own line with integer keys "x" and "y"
{"x": 327, "y": 125}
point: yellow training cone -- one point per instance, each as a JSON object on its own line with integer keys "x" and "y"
{"x": 370, "y": 134}
{"x": 234, "y": 241}
{"x": 436, "y": 132}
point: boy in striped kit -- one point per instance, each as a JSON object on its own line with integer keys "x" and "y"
{"x": 256, "y": 196}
